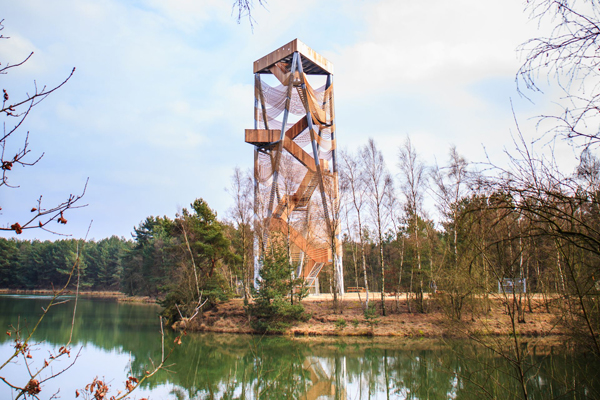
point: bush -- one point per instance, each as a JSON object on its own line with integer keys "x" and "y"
{"x": 277, "y": 316}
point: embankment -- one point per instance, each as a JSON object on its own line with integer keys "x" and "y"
{"x": 347, "y": 319}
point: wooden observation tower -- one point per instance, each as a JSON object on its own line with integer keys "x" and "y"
{"x": 296, "y": 193}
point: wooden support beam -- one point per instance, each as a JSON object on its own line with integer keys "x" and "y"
{"x": 308, "y": 265}
{"x": 299, "y": 154}
{"x": 283, "y": 208}
{"x": 259, "y": 92}
{"x": 297, "y": 129}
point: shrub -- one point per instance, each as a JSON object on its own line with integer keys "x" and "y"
{"x": 371, "y": 315}
{"x": 340, "y": 323}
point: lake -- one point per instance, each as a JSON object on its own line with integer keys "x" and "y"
{"x": 116, "y": 340}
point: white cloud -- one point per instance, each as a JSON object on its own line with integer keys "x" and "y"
{"x": 442, "y": 43}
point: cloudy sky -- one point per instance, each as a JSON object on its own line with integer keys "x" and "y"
{"x": 156, "y": 111}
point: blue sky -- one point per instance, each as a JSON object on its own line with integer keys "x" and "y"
{"x": 156, "y": 111}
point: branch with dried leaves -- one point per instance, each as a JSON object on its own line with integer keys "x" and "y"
{"x": 44, "y": 216}
{"x": 15, "y": 112}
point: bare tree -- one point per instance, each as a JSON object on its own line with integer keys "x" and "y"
{"x": 241, "y": 190}
{"x": 399, "y": 230}
{"x": 413, "y": 183}
{"x": 379, "y": 186}
{"x": 334, "y": 199}
{"x": 353, "y": 179}
{"x": 451, "y": 187}
{"x": 543, "y": 203}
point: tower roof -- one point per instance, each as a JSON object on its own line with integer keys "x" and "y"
{"x": 312, "y": 62}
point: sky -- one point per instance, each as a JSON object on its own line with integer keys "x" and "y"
{"x": 155, "y": 113}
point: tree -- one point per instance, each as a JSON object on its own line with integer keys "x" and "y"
{"x": 9, "y": 255}
{"x": 398, "y": 237}
{"x": 352, "y": 176}
{"x": 148, "y": 263}
{"x": 380, "y": 191}
{"x": 273, "y": 310}
{"x": 413, "y": 178}
{"x": 201, "y": 254}
{"x": 244, "y": 8}
{"x": 241, "y": 190}
{"x": 104, "y": 261}
{"x": 451, "y": 184}
{"x": 550, "y": 210}
{"x": 563, "y": 210}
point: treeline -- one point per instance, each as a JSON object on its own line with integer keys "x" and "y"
{"x": 154, "y": 263}
{"x": 525, "y": 230}
{"x": 46, "y": 265}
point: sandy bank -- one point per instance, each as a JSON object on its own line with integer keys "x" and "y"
{"x": 348, "y": 320}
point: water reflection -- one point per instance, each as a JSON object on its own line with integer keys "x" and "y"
{"x": 118, "y": 337}
{"x": 270, "y": 368}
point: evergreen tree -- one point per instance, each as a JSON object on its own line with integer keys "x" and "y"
{"x": 272, "y": 310}
{"x": 201, "y": 255}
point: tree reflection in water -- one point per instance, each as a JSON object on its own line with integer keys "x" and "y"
{"x": 213, "y": 366}
{"x": 246, "y": 367}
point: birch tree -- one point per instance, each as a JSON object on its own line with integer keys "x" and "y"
{"x": 353, "y": 180}
{"x": 241, "y": 190}
{"x": 413, "y": 182}
{"x": 379, "y": 191}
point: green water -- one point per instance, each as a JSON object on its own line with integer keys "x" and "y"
{"x": 116, "y": 339}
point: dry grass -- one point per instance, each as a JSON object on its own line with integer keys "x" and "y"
{"x": 327, "y": 320}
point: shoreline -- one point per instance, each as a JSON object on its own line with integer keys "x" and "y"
{"x": 105, "y": 294}
{"x": 348, "y": 320}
